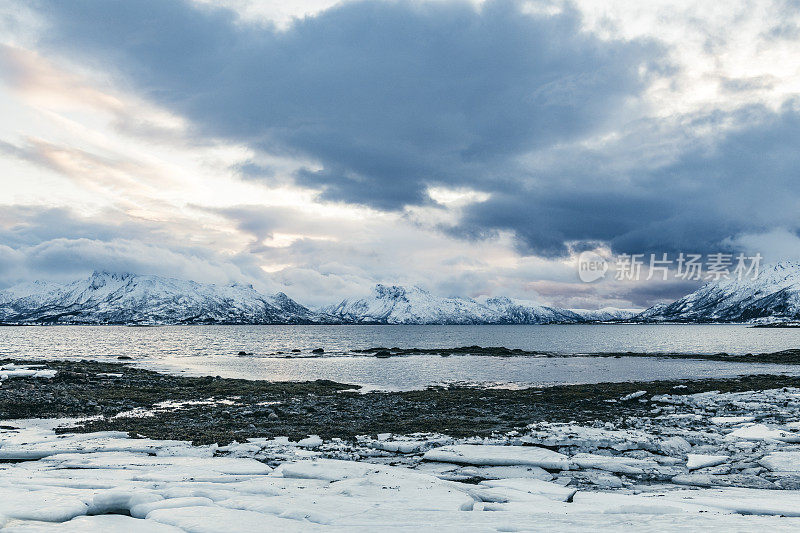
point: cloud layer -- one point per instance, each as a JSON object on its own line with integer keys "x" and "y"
{"x": 742, "y": 180}
{"x": 473, "y": 146}
{"x": 387, "y": 98}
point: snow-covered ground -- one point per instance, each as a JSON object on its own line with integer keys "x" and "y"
{"x": 706, "y": 461}
{"x": 11, "y": 370}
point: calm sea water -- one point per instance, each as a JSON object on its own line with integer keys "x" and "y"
{"x": 212, "y": 350}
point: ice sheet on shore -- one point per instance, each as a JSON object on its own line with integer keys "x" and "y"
{"x": 36, "y": 442}
{"x": 42, "y": 505}
{"x": 696, "y": 461}
{"x": 538, "y": 487}
{"x": 762, "y": 432}
{"x": 487, "y": 455}
{"x": 675, "y": 470}
{"x": 782, "y": 462}
{"x": 11, "y": 370}
{"x": 95, "y": 524}
{"x": 619, "y": 464}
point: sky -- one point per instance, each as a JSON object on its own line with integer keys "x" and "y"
{"x": 473, "y": 148}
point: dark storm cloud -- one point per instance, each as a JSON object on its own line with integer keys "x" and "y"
{"x": 545, "y": 219}
{"x": 744, "y": 181}
{"x": 392, "y": 97}
{"x": 388, "y": 96}
{"x": 648, "y": 294}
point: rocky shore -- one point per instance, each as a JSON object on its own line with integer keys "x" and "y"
{"x": 785, "y": 357}
{"x": 197, "y": 454}
{"x": 206, "y": 410}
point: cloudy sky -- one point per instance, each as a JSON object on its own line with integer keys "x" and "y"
{"x": 470, "y": 147}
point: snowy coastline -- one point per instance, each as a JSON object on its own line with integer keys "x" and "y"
{"x": 727, "y": 460}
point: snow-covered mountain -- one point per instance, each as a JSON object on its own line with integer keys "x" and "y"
{"x": 114, "y": 298}
{"x": 606, "y": 314}
{"x": 399, "y": 305}
{"x": 527, "y": 312}
{"x": 413, "y": 305}
{"x": 773, "y": 295}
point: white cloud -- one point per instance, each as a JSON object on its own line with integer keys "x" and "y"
{"x": 774, "y": 245}
{"x": 729, "y": 53}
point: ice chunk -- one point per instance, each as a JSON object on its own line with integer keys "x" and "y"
{"x": 645, "y": 509}
{"x": 121, "y": 500}
{"x": 587, "y": 438}
{"x": 31, "y": 444}
{"x": 325, "y": 469}
{"x": 675, "y": 446}
{"x": 633, "y": 395}
{"x": 549, "y": 490}
{"x": 617, "y": 464}
{"x": 405, "y": 490}
{"x": 94, "y": 524}
{"x": 18, "y": 371}
{"x": 312, "y": 441}
{"x": 487, "y": 455}
{"x": 400, "y": 446}
{"x": 695, "y": 461}
{"x": 141, "y": 510}
{"x": 600, "y": 478}
{"x": 731, "y": 420}
{"x": 222, "y": 520}
{"x": 781, "y": 462}
{"x": 502, "y": 472}
{"x": 752, "y": 502}
{"x": 186, "y": 466}
{"x": 762, "y": 432}
{"x": 43, "y": 505}
{"x": 722, "y": 480}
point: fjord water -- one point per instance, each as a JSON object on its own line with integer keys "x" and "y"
{"x": 212, "y": 350}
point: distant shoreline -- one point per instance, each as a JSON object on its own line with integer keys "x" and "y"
{"x": 615, "y": 323}
{"x": 786, "y": 357}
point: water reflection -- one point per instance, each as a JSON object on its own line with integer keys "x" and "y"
{"x": 213, "y": 349}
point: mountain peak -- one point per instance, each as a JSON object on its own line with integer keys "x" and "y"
{"x": 125, "y": 298}
{"x": 105, "y": 274}
{"x": 100, "y": 278}
{"x": 394, "y": 292}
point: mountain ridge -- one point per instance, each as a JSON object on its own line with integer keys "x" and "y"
{"x": 773, "y": 295}
{"x": 126, "y": 298}
{"x": 394, "y": 304}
